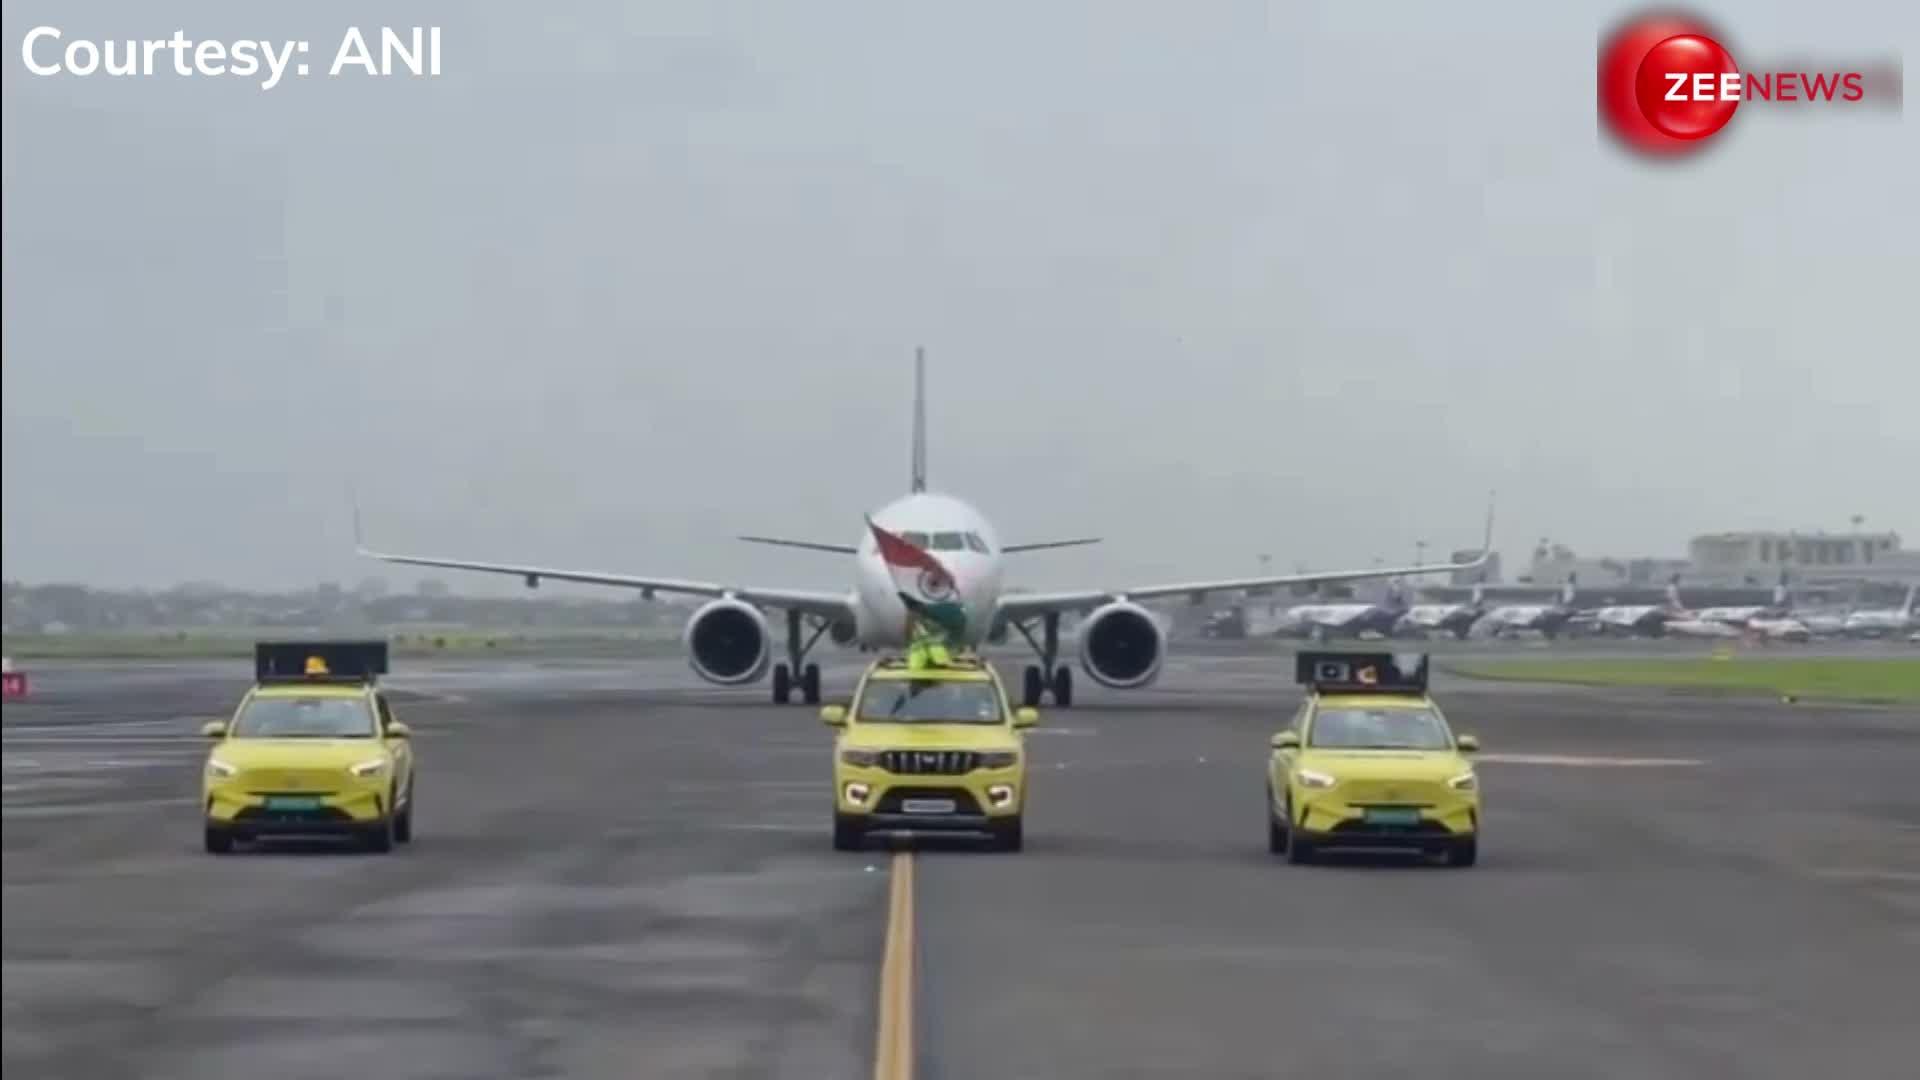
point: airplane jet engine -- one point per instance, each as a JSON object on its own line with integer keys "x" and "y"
{"x": 728, "y": 642}
{"x": 1121, "y": 646}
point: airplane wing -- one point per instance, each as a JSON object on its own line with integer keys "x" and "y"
{"x": 826, "y": 604}
{"x": 1047, "y": 545}
{"x": 806, "y": 545}
{"x": 1016, "y": 606}
{"x": 849, "y": 549}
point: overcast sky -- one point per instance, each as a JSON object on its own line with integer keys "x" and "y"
{"x": 1207, "y": 279}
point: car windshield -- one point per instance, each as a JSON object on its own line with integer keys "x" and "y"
{"x": 1379, "y": 729}
{"x": 929, "y": 701}
{"x": 304, "y": 718}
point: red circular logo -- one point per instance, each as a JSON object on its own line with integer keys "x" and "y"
{"x": 1662, "y": 88}
{"x": 1681, "y": 89}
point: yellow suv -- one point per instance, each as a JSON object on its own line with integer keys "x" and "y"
{"x": 1371, "y": 762}
{"x": 929, "y": 750}
{"x": 313, "y": 749}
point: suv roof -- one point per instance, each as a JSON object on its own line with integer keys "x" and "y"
{"x": 311, "y": 689}
{"x": 959, "y": 669}
{"x": 1336, "y": 699}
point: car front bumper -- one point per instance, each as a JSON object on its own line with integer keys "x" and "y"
{"x": 1334, "y": 823}
{"x": 337, "y": 811}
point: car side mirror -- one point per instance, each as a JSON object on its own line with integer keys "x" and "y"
{"x": 833, "y": 715}
{"x": 1467, "y": 744}
{"x": 1026, "y": 716}
{"x": 398, "y": 730}
{"x": 214, "y": 729}
{"x": 1286, "y": 740}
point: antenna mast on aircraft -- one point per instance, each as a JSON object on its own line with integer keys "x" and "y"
{"x": 919, "y": 419}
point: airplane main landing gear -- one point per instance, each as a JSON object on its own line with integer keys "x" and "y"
{"x": 1047, "y": 676}
{"x": 784, "y": 684}
{"x": 787, "y": 676}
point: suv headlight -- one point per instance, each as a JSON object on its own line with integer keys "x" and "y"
{"x": 1466, "y": 781}
{"x": 999, "y": 759}
{"x": 220, "y": 770}
{"x": 860, "y": 759}
{"x": 1312, "y": 779}
{"x": 369, "y": 768}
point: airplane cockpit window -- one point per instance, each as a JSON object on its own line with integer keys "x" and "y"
{"x": 976, "y": 544}
{"x": 949, "y": 541}
{"x": 917, "y": 539}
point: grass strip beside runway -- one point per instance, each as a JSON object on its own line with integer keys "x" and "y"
{"x": 1876, "y": 680}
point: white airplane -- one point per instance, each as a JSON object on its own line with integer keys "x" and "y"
{"x": 1885, "y": 622}
{"x": 1767, "y": 622}
{"x": 1455, "y": 619}
{"x": 924, "y": 549}
{"x": 1323, "y": 622}
{"x": 1547, "y": 619}
{"x": 1642, "y": 620}
{"x": 1740, "y": 616}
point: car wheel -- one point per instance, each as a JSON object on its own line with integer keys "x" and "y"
{"x": 1299, "y": 848}
{"x": 1464, "y": 852}
{"x": 380, "y": 837}
{"x": 847, "y": 833}
{"x": 1009, "y": 835}
{"x": 219, "y": 841}
{"x": 403, "y": 827}
{"x": 1276, "y": 830}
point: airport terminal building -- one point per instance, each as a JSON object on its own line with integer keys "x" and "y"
{"x": 1755, "y": 557}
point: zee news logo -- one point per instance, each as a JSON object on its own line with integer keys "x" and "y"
{"x": 1668, "y": 82}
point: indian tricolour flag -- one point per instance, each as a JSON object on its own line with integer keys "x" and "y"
{"x": 927, "y": 588}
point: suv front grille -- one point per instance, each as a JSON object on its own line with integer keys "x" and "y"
{"x": 929, "y": 762}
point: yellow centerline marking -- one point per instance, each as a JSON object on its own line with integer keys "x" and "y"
{"x": 893, "y": 1039}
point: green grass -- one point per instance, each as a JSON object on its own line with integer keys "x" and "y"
{"x": 1832, "y": 679}
{"x": 207, "y": 645}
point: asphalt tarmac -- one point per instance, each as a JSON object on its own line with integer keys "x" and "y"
{"x": 620, "y": 873}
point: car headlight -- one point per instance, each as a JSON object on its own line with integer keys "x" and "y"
{"x": 1311, "y": 779}
{"x": 220, "y": 770}
{"x": 1466, "y": 781}
{"x": 860, "y": 759}
{"x": 369, "y": 768}
{"x": 999, "y": 759}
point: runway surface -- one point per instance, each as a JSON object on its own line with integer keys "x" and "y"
{"x": 619, "y": 873}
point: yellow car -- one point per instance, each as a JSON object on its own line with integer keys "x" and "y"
{"x": 313, "y": 749}
{"x": 929, "y": 750}
{"x": 1371, "y": 762}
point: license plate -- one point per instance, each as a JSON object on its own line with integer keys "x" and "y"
{"x": 927, "y": 806}
{"x": 292, "y": 802}
{"x": 1392, "y": 816}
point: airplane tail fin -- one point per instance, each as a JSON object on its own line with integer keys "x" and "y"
{"x": 1480, "y": 595}
{"x": 1913, "y": 599}
{"x": 919, "y": 420}
{"x": 1673, "y": 594}
{"x": 1781, "y": 598}
{"x": 1567, "y": 590}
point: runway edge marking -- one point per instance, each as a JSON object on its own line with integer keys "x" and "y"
{"x": 893, "y": 1036}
